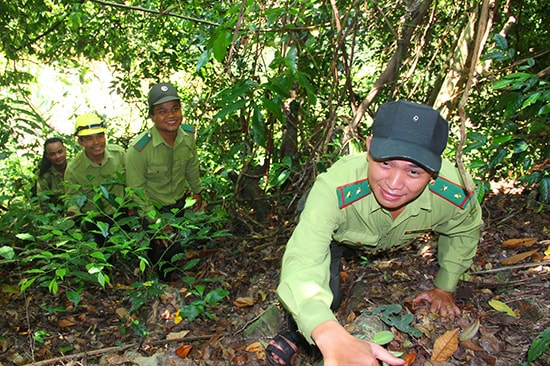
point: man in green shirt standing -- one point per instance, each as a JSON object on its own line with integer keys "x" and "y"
{"x": 51, "y": 172}
{"x": 163, "y": 163}
{"x": 400, "y": 189}
{"x": 97, "y": 164}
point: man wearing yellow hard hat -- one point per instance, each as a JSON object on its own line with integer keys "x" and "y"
{"x": 97, "y": 164}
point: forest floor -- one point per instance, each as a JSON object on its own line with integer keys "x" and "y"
{"x": 516, "y": 235}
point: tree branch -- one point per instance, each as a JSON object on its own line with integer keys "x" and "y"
{"x": 151, "y": 11}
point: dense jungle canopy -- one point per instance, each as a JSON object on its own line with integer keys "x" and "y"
{"x": 276, "y": 91}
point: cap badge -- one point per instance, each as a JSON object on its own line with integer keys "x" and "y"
{"x": 164, "y": 88}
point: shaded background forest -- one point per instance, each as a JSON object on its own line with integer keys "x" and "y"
{"x": 276, "y": 91}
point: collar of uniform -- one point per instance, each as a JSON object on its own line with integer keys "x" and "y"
{"x": 158, "y": 139}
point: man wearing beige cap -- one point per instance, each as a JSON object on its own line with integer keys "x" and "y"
{"x": 399, "y": 189}
{"x": 162, "y": 162}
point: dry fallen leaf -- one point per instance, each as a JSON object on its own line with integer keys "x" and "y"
{"x": 470, "y": 331}
{"x": 121, "y": 313}
{"x": 116, "y": 359}
{"x": 523, "y": 242}
{"x": 409, "y": 359}
{"x": 445, "y": 346}
{"x": 518, "y": 257}
{"x": 470, "y": 345}
{"x": 67, "y": 322}
{"x": 243, "y": 302}
{"x": 183, "y": 351}
{"x": 255, "y": 347}
{"x": 177, "y": 335}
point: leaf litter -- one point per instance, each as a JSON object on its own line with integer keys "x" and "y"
{"x": 504, "y": 299}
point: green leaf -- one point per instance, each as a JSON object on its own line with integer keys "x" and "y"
{"x": 382, "y": 337}
{"x": 230, "y": 109}
{"x": 502, "y": 307}
{"x": 215, "y": 296}
{"x": 7, "y": 252}
{"x": 26, "y": 283}
{"x": 258, "y": 130}
{"x": 544, "y": 187}
{"x": 500, "y": 42}
{"x": 220, "y": 45}
{"x": 539, "y": 345}
{"x": 73, "y": 296}
{"x": 25, "y": 236}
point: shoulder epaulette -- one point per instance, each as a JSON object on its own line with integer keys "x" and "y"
{"x": 449, "y": 191}
{"x": 187, "y": 128}
{"x": 142, "y": 142}
{"x": 352, "y": 192}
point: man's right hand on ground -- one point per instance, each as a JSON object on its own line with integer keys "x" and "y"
{"x": 341, "y": 348}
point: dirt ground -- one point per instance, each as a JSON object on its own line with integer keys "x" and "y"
{"x": 247, "y": 265}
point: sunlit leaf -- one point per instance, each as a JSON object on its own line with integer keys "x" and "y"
{"x": 502, "y": 307}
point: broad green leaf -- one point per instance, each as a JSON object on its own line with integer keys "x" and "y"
{"x": 500, "y": 42}
{"x": 230, "y": 109}
{"x": 73, "y": 296}
{"x": 220, "y": 45}
{"x": 531, "y": 99}
{"x": 382, "y": 337}
{"x": 502, "y": 307}
{"x": 539, "y": 345}
{"x": 215, "y": 296}
{"x": 7, "y": 252}
{"x": 25, "y": 236}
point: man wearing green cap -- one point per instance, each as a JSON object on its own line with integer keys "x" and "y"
{"x": 385, "y": 198}
{"x": 163, "y": 163}
{"x": 97, "y": 164}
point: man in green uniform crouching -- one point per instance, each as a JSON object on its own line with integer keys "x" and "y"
{"x": 399, "y": 189}
{"x": 163, "y": 163}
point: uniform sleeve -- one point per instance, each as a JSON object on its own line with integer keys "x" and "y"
{"x": 457, "y": 245}
{"x": 304, "y": 287}
{"x": 136, "y": 168}
{"x": 192, "y": 171}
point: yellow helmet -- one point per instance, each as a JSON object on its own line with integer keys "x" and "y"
{"x": 88, "y": 124}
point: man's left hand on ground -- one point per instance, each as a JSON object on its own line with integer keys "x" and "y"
{"x": 441, "y": 302}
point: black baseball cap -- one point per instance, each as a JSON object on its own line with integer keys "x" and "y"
{"x": 410, "y": 131}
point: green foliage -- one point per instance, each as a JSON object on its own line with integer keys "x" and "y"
{"x": 538, "y": 347}
{"x": 389, "y": 314}
{"x": 199, "y": 306}
{"x": 512, "y": 135}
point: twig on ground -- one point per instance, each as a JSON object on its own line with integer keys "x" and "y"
{"x": 116, "y": 349}
{"x": 507, "y": 268}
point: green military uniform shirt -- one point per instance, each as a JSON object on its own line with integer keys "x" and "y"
{"x": 341, "y": 207}
{"x": 161, "y": 171}
{"x": 82, "y": 175}
{"x": 52, "y": 183}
